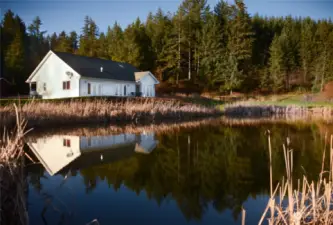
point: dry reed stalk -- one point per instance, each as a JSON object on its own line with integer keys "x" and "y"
{"x": 306, "y": 204}
{"x": 44, "y": 114}
{"x": 12, "y": 178}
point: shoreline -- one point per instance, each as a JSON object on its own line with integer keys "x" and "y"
{"x": 289, "y": 112}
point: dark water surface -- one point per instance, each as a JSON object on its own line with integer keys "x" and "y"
{"x": 202, "y": 175}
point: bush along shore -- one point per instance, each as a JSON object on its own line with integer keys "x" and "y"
{"x": 289, "y": 111}
{"x": 53, "y": 114}
{"x": 13, "y": 182}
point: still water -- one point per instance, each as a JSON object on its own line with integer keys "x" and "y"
{"x": 201, "y": 175}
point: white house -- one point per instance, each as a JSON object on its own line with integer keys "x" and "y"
{"x": 65, "y": 75}
{"x": 60, "y": 151}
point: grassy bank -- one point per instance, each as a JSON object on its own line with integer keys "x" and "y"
{"x": 299, "y": 106}
{"x": 65, "y": 113}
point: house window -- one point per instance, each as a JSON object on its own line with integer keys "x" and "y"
{"x": 67, "y": 143}
{"x": 33, "y": 86}
{"x": 44, "y": 86}
{"x": 66, "y": 85}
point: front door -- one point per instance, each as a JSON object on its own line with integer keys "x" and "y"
{"x": 89, "y": 89}
{"x": 137, "y": 89}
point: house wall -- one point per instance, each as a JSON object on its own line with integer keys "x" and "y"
{"x": 103, "y": 87}
{"x": 147, "y": 142}
{"x": 52, "y": 152}
{"x": 101, "y": 142}
{"x": 52, "y": 73}
{"x": 147, "y": 86}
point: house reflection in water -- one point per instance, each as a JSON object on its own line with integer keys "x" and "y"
{"x": 64, "y": 152}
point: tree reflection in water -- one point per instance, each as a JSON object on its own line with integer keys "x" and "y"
{"x": 220, "y": 166}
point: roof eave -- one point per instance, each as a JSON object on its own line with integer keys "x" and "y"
{"x": 39, "y": 66}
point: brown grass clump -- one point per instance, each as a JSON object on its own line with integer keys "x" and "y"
{"x": 46, "y": 114}
{"x": 12, "y": 180}
{"x": 304, "y": 203}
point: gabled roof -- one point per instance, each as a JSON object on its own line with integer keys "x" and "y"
{"x": 91, "y": 67}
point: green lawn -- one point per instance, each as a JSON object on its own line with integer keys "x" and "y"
{"x": 284, "y": 100}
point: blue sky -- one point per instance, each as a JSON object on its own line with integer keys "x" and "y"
{"x": 68, "y": 15}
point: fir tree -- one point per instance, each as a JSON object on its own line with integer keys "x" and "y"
{"x": 63, "y": 43}
{"x": 276, "y": 78}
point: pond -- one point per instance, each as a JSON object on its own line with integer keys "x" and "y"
{"x": 198, "y": 175}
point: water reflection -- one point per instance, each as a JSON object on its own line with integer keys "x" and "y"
{"x": 195, "y": 175}
{"x": 60, "y": 152}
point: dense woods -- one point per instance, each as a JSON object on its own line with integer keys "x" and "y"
{"x": 216, "y": 48}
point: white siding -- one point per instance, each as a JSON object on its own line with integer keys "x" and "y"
{"x": 56, "y": 152}
{"x": 97, "y": 142}
{"x": 147, "y": 86}
{"x": 100, "y": 87}
{"x": 53, "y": 74}
{"x": 148, "y": 142}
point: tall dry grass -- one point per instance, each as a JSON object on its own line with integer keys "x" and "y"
{"x": 12, "y": 179}
{"x": 304, "y": 202}
{"x": 44, "y": 114}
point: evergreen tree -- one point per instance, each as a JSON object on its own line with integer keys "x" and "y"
{"x": 212, "y": 52}
{"x": 14, "y": 53}
{"x": 115, "y": 42}
{"x": 290, "y": 47}
{"x": 323, "y": 63}
{"x": 224, "y": 13}
{"x": 102, "y": 47}
{"x": 63, "y": 43}
{"x": 276, "y": 78}
{"x": 170, "y": 57}
{"x": 89, "y": 38}
{"x": 240, "y": 38}
{"x": 138, "y": 46}
{"x": 158, "y": 27}
{"x": 307, "y": 49}
{"x": 37, "y": 42}
{"x": 193, "y": 11}
{"x": 73, "y": 41}
{"x": 53, "y": 41}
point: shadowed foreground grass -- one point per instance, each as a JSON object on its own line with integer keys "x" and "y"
{"x": 12, "y": 177}
{"x": 303, "y": 201}
{"x": 46, "y": 114}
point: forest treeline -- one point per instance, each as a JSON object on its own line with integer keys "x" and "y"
{"x": 217, "y": 48}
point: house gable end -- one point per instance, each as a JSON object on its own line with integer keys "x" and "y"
{"x": 44, "y": 60}
{"x": 140, "y": 76}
